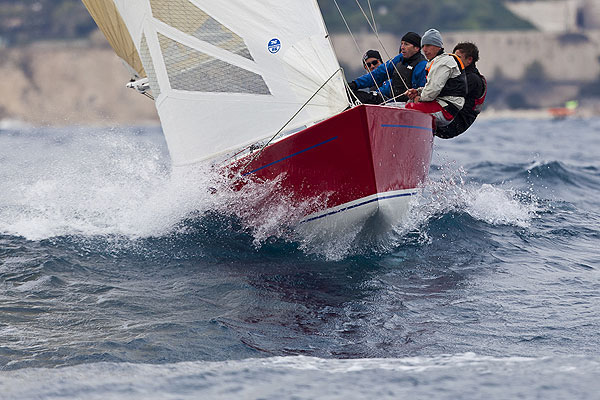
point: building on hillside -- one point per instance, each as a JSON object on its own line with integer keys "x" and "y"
{"x": 560, "y": 16}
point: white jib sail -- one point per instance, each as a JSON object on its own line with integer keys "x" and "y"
{"x": 229, "y": 73}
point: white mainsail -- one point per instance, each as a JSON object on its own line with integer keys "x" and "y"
{"x": 225, "y": 74}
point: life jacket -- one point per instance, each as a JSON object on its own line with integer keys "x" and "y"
{"x": 403, "y": 74}
{"x": 455, "y": 87}
{"x": 458, "y": 86}
{"x": 480, "y": 100}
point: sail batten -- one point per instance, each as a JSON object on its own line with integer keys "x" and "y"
{"x": 187, "y": 18}
{"x": 192, "y": 70}
{"x": 225, "y": 74}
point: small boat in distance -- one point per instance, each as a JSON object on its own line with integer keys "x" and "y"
{"x": 255, "y": 87}
{"x": 568, "y": 110}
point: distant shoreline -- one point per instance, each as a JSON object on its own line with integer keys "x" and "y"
{"x": 487, "y": 115}
{"x": 83, "y": 82}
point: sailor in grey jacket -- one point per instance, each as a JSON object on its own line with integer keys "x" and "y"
{"x": 443, "y": 96}
{"x": 445, "y": 82}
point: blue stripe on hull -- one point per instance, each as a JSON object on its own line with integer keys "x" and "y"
{"x": 359, "y": 205}
{"x": 327, "y": 141}
{"x": 290, "y": 156}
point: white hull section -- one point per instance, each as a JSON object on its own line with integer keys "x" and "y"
{"x": 376, "y": 214}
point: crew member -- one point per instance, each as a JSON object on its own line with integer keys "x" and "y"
{"x": 477, "y": 90}
{"x": 371, "y": 60}
{"x": 443, "y": 96}
{"x": 405, "y": 71}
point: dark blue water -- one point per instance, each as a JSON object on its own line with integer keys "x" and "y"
{"x": 120, "y": 278}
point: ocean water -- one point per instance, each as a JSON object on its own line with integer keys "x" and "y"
{"x": 121, "y": 278}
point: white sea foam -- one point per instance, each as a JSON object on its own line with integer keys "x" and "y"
{"x": 90, "y": 183}
{"x": 118, "y": 183}
{"x": 444, "y": 377}
{"x": 450, "y": 193}
{"x": 492, "y": 204}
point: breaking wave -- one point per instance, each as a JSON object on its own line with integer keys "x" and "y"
{"x": 118, "y": 183}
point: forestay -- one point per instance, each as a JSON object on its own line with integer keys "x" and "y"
{"x": 225, "y": 74}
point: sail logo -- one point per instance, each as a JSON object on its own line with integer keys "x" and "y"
{"x": 274, "y": 45}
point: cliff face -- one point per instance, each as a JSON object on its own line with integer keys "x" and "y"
{"x": 564, "y": 57}
{"x": 84, "y": 83}
{"x": 58, "y": 84}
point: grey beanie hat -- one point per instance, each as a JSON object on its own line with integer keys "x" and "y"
{"x": 432, "y": 37}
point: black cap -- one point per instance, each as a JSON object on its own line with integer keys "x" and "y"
{"x": 372, "y": 54}
{"x": 412, "y": 38}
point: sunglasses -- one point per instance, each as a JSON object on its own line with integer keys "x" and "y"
{"x": 373, "y": 63}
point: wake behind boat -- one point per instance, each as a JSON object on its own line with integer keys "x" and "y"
{"x": 257, "y": 83}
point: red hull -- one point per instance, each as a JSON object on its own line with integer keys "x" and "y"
{"x": 364, "y": 151}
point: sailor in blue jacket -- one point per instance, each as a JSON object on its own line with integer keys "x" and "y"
{"x": 407, "y": 68}
{"x": 371, "y": 60}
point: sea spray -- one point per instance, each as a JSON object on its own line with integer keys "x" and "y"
{"x": 79, "y": 181}
{"x": 118, "y": 184}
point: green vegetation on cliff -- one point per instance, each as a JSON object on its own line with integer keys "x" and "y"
{"x": 400, "y": 16}
{"x": 25, "y": 21}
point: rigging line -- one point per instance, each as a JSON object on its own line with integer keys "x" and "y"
{"x": 372, "y": 16}
{"x": 258, "y": 153}
{"x": 393, "y": 99}
{"x": 387, "y": 72}
{"x": 352, "y": 104}
{"x": 357, "y": 46}
{"x": 374, "y": 29}
{"x": 358, "y": 102}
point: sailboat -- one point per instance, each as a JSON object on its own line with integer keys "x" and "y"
{"x": 254, "y": 87}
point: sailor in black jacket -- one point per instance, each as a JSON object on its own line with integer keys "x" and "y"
{"x": 477, "y": 90}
